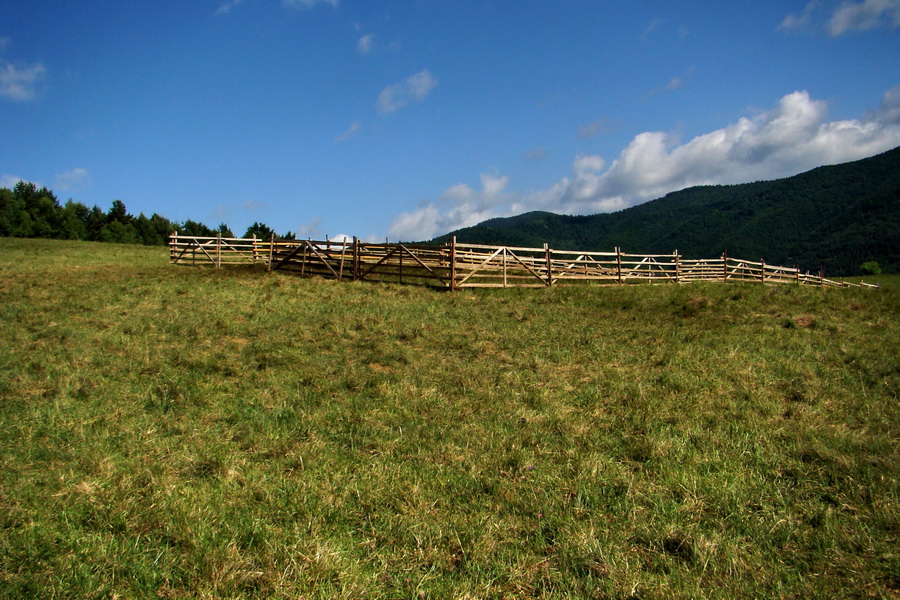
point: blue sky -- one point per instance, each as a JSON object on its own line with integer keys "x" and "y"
{"x": 405, "y": 119}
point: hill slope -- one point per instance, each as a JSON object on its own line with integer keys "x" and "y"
{"x": 836, "y": 217}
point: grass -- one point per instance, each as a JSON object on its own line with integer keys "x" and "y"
{"x": 169, "y": 432}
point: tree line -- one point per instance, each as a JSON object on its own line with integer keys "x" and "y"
{"x": 31, "y": 212}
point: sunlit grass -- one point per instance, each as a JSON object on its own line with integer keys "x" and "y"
{"x": 175, "y": 432}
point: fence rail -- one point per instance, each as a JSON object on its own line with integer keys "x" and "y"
{"x": 457, "y": 265}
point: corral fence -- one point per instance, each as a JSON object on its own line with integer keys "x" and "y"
{"x": 456, "y": 265}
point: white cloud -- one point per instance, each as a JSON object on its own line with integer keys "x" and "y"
{"x": 352, "y": 131}
{"x": 73, "y": 180}
{"x": 20, "y": 82}
{"x": 365, "y": 43}
{"x": 463, "y": 206}
{"x": 414, "y": 88}
{"x": 792, "y": 137}
{"x": 308, "y": 3}
{"x": 310, "y": 230}
{"x": 9, "y": 181}
{"x": 889, "y": 111}
{"x": 798, "y": 21}
{"x": 228, "y": 6}
{"x": 862, "y": 16}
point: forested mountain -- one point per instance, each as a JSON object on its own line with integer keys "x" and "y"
{"x": 835, "y": 217}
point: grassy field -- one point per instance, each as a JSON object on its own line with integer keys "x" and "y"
{"x": 169, "y": 432}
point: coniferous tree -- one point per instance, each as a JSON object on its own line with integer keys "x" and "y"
{"x": 260, "y": 230}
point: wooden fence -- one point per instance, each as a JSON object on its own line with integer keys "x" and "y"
{"x": 456, "y": 265}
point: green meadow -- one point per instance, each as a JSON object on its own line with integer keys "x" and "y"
{"x": 177, "y": 432}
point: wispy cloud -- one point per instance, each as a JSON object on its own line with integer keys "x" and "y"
{"x": 73, "y": 180}
{"x": 365, "y": 43}
{"x": 352, "y": 131}
{"x": 308, "y": 3}
{"x": 850, "y": 16}
{"x": 792, "y": 137}
{"x": 676, "y": 83}
{"x": 650, "y": 29}
{"x": 311, "y": 229}
{"x": 19, "y": 82}
{"x": 863, "y": 16}
{"x": 595, "y": 128}
{"x": 9, "y": 181}
{"x": 228, "y": 6}
{"x": 536, "y": 153}
{"x": 414, "y": 88}
{"x": 802, "y": 19}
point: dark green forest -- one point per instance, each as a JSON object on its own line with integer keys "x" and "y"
{"x": 30, "y": 212}
{"x": 836, "y": 218}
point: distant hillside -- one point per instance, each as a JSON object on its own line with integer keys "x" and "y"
{"x": 836, "y": 217}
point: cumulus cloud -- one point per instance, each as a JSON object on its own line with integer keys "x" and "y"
{"x": 459, "y": 206}
{"x": 73, "y": 180}
{"x": 862, "y": 16}
{"x": 792, "y": 137}
{"x": 414, "y": 88}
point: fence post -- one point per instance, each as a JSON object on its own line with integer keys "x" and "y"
{"x": 173, "y": 241}
{"x": 255, "y": 250}
{"x": 762, "y": 270}
{"x": 218, "y": 250}
{"x": 271, "y": 250}
{"x": 307, "y": 245}
{"x": 677, "y": 267}
{"x": 504, "y": 267}
{"x": 618, "y": 264}
{"x": 355, "y": 265}
{"x": 453, "y": 264}
{"x": 725, "y": 266}
{"x": 549, "y": 265}
{"x": 343, "y": 255}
